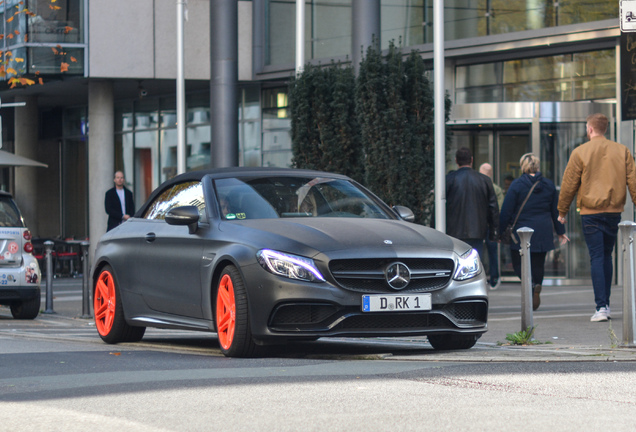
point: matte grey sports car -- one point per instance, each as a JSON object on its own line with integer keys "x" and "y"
{"x": 261, "y": 256}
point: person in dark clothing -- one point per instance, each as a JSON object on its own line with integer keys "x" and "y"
{"x": 539, "y": 213}
{"x": 118, "y": 202}
{"x": 472, "y": 211}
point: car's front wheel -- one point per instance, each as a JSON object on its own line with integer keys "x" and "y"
{"x": 232, "y": 315}
{"x": 109, "y": 312}
{"x": 452, "y": 341}
{"x": 26, "y": 309}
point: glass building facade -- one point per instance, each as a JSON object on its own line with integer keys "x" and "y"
{"x": 42, "y": 37}
{"x": 522, "y": 95}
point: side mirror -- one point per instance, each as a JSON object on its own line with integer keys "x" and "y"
{"x": 186, "y": 215}
{"x": 404, "y": 213}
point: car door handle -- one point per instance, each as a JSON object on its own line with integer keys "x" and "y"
{"x": 150, "y": 237}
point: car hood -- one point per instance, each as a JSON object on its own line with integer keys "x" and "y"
{"x": 366, "y": 236}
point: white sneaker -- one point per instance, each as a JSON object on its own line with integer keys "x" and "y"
{"x": 600, "y": 315}
{"x": 608, "y": 313}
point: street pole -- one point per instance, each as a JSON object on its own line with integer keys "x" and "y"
{"x": 440, "y": 116}
{"x": 181, "y": 118}
{"x": 300, "y": 35}
{"x": 629, "y": 284}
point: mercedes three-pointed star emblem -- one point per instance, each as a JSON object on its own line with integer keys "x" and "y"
{"x": 397, "y": 275}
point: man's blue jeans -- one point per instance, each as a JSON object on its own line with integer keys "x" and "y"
{"x": 600, "y": 231}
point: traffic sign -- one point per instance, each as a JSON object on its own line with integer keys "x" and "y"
{"x": 628, "y": 16}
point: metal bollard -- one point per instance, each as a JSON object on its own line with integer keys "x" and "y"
{"x": 525, "y": 234}
{"x": 86, "y": 308}
{"x": 629, "y": 284}
{"x": 48, "y": 250}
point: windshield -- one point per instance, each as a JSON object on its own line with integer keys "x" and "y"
{"x": 9, "y": 214}
{"x": 286, "y": 197}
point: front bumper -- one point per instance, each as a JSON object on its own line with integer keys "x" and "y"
{"x": 282, "y": 308}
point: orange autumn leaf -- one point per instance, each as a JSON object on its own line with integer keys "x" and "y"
{"x": 10, "y": 36}
{"x": 10, "y": 19}
{"x": 40, "y": 80}
{"x": 1, "y": 36}
{"x": 64, "y": 67}
{"x": 54, "y": 51}
{"x": 17, "y": 32}
{"x": 12, "y": 71}
{"x": 26, "y": 81}
{"x": 26, "y": 37}
{"x": 67, "y": 29}
{"x": 19, "y": 59}
{"x": 73, "y": 59}
{"x": 54, "y": 7}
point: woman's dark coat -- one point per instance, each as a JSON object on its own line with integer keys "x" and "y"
{"x": 540, "y": 212}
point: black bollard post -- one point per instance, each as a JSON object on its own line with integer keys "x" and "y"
{"x": 48, "y": 250}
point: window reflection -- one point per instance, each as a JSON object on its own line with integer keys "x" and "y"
{"x": 327, "y": 29}
{"x": 182, "y": 194}
{"x": 569, "y": 77}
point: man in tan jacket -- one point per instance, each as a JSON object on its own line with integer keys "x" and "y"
{"x": 600, "y": 171}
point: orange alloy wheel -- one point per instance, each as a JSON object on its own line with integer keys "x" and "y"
{"x": 104, "y": 303}
{"x": 226, "y": 312}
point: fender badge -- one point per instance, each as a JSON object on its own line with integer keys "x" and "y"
{"x": 388, "y": 242}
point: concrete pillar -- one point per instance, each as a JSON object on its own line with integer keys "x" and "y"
{"x": 365, "y": 28}
{"x": 224, "y": 82}
{"x": 26, "y": 144}
{"x": 101, "y": 155}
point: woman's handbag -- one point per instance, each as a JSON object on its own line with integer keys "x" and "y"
{"x": 506, "y": 235}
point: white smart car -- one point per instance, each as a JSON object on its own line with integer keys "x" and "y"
{"x": 19, "y": 271}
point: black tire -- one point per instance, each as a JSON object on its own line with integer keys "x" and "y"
{"x": 26, "y": 309}
{"x": 453, "y": 341}
{"x": 235, "y": 335}
{"x": 109, "y": 320}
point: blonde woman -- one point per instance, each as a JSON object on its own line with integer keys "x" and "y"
{"x": 539, "y": 213}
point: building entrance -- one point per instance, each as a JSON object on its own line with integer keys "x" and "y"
{"x": 500, "y": 133}
{"x": 502, "y": 146}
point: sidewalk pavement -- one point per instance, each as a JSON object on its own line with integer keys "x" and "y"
{"x": 563, "y": 330}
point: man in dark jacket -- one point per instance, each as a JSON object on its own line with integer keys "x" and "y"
{"x": 472, "y": 211}
{"x": 118, "y": 202}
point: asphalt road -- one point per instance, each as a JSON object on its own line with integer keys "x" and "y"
{"x": 57, "y": 375}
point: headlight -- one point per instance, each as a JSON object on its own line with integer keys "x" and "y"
{"x": 289, "y": 266}
{"x": 468, "y": 266}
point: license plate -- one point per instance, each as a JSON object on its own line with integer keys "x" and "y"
{"x": 396, "y": 302}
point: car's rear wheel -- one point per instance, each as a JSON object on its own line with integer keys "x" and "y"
{"x": 452, "y": 341}
{"x": 26, "y": 309}
{"x": 109, "y": 312}
{"x": 232, "y": 315}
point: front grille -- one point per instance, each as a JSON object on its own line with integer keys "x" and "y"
{"x": 404, "y": 322}
{"x": 368, "y": 275}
